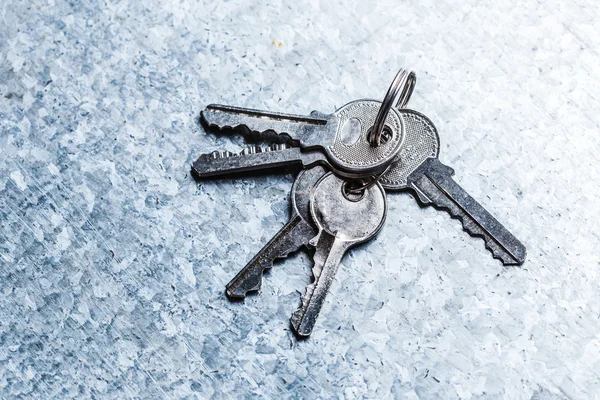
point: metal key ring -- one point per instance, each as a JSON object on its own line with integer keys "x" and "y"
{"x": 368, "y": 185}
{"x": 403, "y": 83}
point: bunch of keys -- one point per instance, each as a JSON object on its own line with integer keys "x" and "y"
{"x": 347, "y": 162}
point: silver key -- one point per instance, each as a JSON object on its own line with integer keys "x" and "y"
{"x": 296, "y": 233}
{"x": 337, "y": 140}
{"x": 418, "y": 168}
{"x": 342, "y": 223}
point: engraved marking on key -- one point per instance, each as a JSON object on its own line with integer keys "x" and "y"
{"x": 342, "y": 224}
{"x": 419, "y": 169}
{"x": 317, "y": 132}
{"x": 351, "y": 130}
{"x": 296, "y": 233}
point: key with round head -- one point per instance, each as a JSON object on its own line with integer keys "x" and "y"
{"x": 417, "y": 167}
{"x": 338, "y": 140}
{"x": 343, "y": 221}
{"x": 296, "y": 233}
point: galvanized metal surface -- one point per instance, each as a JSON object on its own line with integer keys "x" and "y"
{"x": 113, "y": 259}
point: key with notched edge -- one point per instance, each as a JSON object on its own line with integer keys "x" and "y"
{"x": 338, "y": 141}
{"x": 296, "y": 233}
{"x": 417, "y": 167}
{"x": 343, "y": 221}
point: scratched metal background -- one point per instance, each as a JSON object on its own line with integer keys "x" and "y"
{"x": 113, "y": 260}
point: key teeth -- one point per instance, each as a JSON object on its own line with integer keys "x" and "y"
{"x": 239, "y": 293}
{"x": 497, "y": 252}
{"x": 474, "y": 230}
{"x": 249, "y": 279}
{"x": 296, "y": 318}
{"x": 251, "y": 150}
{"x": 246, "y": 151}
{"x": 242, "y": 128}
{"x": 434, "y": 186}
{"x": 213, "y": 155}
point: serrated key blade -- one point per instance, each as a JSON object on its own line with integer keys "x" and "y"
{"x": 327, "y": 258}
{"x": 296, "y": 127}
{"x": 296, "y": 233}
{"x": 221, "y": 164}
{"x": 434, "y": 185}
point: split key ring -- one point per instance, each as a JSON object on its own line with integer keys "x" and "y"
{"x": 403, "y": 84}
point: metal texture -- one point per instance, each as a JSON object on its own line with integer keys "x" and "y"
{"x": 362, "y": 185}
{"x": 433, "y": 183}
{"x": 402, "y": 87}
{"x": 342, "y": 223}
{"x": 296, "y": 233}
{"x": 421, "y": 141}
{"x": 418, "y": 168}
{"x": 254, "y": 158}
{"x": 349, "y": 155}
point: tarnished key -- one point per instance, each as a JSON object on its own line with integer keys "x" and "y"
{"x": 338, "y": 140}
{"x": 296, "y": 233}
{"x": 342, "y": 222}
{"x": 417, "y": 167}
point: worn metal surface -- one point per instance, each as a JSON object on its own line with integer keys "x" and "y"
{"x": 343, "y": 222}
{"x": 299, "y": 230}
{"x": 419, "y": 169}
{"x": 113, "y": 259}
{"x": 340, "y": 136}
{"x": 434, "y": 185}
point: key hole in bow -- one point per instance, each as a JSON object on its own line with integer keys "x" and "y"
{"x": 386, "y": 134}
{"x": 352, "y": 194}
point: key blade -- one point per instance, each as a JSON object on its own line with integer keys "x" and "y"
{"x": 297, "y": 127}
{"x": 296, "y": 233}
{"x": 343, "y": 221}
{"x": 255, "y": 159}
{"x": 327, "y": 258}
{"x": 434, "y": 185}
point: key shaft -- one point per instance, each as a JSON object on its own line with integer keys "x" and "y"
{"x": 342, "y": 222}
{"x": 417, "y": 167}
{"x": 305, "y": 130}
{"x": 296, "y": 233}
{"x": 434, "y": 185}
{"x": 255, "y": 159}
{"x": 327, "y": 258}
{"x": 351, "y": 156}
